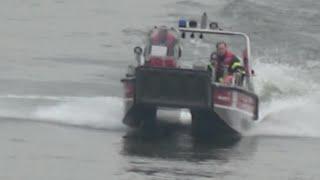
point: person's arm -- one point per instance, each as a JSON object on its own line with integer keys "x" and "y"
{"x": 235, "y": 65}
{"x": 210, "y": 67}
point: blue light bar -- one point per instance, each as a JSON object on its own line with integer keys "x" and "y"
{"x": 182, "y": 23}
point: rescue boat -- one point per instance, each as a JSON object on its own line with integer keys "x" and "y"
{"x": 158, "y": 80}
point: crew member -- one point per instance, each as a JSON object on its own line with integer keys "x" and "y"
{"x": 225, "y": 63}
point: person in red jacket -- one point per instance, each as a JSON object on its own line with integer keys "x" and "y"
{"x": 225, "y": 62}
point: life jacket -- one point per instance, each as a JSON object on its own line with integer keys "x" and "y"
{"x": 228, "y": 58}
{"x": 225, "y": 62}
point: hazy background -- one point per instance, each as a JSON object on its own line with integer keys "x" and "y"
{"x": 62, "y": 61}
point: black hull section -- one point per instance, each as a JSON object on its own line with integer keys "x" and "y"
{"x": 141, "y": 116}
{"x": 217, "y": 110}
{"x": 208, "y": 124}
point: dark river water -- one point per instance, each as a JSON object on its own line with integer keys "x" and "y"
{"x": 61, "y": 97}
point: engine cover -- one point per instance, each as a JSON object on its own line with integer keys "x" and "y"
{"x": 173, "y": 87}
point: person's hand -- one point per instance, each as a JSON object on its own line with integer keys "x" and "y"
{"x": 240, "y": 70}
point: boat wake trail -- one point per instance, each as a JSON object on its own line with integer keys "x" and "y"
{"x": 290, "y": 101}
{"x": 289, "y": 96}
{"x": 91, "y": 112}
